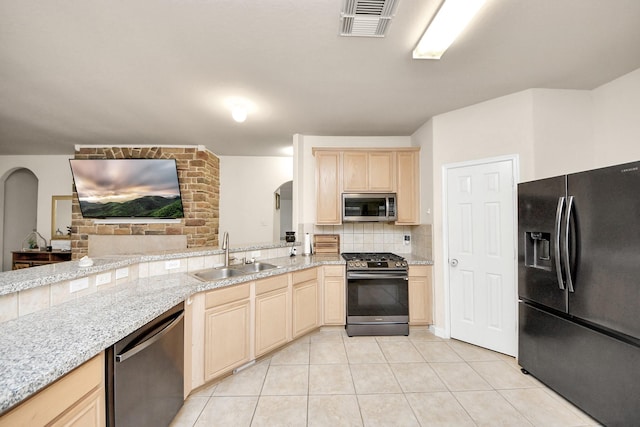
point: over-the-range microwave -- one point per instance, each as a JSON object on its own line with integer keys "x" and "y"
{"x": 369, "y": 207}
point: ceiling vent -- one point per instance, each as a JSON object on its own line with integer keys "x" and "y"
{"x": 366, "y": 18}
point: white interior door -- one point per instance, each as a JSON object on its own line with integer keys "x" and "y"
{"x": 481, "y": 211}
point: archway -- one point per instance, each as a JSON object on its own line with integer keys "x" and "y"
{"x": 282, "y": 217}
{"x": 19, "y": 211}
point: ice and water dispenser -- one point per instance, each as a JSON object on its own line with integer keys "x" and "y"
{"x": 537, "y": 251}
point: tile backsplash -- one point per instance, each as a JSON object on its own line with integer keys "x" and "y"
{"x": 378, "y": 237}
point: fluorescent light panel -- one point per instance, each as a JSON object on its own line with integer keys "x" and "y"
{"x": 452, "y": 17}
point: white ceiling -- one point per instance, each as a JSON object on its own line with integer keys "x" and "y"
{"x": 116, "y": 72}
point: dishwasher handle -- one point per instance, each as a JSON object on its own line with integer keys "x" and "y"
{"x": 151, "y": 340}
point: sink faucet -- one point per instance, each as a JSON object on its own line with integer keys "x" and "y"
{"x": 225, "y": 248}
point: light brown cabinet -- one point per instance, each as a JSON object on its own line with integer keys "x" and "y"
{"x": 328, "y": 187}
{"x": 420, "y": 295}
{"x": 88, "y": 412}
{"x": 227, "y": 330}
{"x": 77, "y": 399}
{"x": 273, "y": 314}
{"x": 305, "y": 301}
{"x": 388, "y": 170}
{"x": 368, "y": 171}
{"x": 333, "y": 295}
{"x": 408, "y": 187}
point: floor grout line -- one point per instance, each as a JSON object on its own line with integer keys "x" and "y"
{"x": 391, "y": 358}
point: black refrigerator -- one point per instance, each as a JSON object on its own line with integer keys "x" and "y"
{"x": 579, "y": 289}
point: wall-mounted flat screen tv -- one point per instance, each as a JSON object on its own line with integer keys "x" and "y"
{"x": 127, "y": 188}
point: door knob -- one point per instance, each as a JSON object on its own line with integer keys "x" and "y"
{"x": 454, "y": 262}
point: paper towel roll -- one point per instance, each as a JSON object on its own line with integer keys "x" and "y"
{"x": 306, "y": 245}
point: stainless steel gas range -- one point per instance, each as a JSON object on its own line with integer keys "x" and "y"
{"x": 377, "y": 294}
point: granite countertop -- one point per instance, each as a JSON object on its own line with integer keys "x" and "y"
{"x": 27, "y": 278}
{"x": 37, "y": 349}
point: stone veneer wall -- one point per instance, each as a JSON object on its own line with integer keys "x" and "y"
{"x": 199, "y": 177}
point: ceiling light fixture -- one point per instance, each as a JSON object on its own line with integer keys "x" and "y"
{"x": 239, "y": 113}
{"x": 452, "y": 17}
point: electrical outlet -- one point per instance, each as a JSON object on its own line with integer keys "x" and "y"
{"x": 103, "y": 279}
{"x": 407, "y": 239}
{"x": 79, "y": 284}
{"x": 172, "y": 264}
{"x": 122, "y": 272}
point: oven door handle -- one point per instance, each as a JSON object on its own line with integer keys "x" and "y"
{"x": 387, "y": 275}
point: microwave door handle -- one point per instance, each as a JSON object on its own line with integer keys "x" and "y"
{"x": 556, "y": 238}
{"x": 565, "y": 252}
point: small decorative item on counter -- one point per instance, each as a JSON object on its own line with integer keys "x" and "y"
{"x": 85, "y": 261}
{"x": 34, "y": 241}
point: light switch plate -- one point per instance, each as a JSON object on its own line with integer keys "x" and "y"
{"x": 78, "y": 284}
{"x": 122, "y": 272}
{"x": 172, "y": 264}
{"x": 103, "y": 279}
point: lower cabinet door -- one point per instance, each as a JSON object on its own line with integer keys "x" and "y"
{"x": 305, "y": 307}
{"x": 272, "y": 321}
{"x": 420, "y": 311}
{"x": 227, "y": 332}
{"x": 89, "y": 412}
{"x": 334, "y": 300}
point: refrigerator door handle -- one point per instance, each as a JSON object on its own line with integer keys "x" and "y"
{"x": 556, "y": 236}
{"x": 565, "y": 252}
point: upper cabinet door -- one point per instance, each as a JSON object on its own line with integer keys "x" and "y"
{"x": 328, "y": 207}
{"x": 368, "y": 171}
{"x": 354, "y": 171}
{"x": 381, "y": 171}
{"x": 408, "y": 187}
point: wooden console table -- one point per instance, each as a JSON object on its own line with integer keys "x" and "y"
{"x": 24, "y": 259}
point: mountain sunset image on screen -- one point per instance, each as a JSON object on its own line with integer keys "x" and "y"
{"x": 127, "y": 188}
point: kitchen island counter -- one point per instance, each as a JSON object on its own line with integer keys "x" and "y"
{"x": 41, "y": 347}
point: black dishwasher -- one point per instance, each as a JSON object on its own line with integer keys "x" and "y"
{"x": 144, "y": 373}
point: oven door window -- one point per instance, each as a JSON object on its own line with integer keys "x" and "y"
{"x": 377, "y": 297}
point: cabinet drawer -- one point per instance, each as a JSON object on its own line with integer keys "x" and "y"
{"x": 305, "y": 275}
{"x": 225, "y": 295}
{"x": 334, "y": 270}
{"x": 418, "y": 270}
{"x": 271, "y": 284}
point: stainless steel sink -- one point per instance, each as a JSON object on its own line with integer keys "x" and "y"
{"x": 255, "y": 267}
{"x": 233, "y": 271}
{"x": 218, "y": 273}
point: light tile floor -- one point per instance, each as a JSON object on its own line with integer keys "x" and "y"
{"x": 330, "y": 379}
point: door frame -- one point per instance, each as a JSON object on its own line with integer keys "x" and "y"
{"x": 515, "y": 170}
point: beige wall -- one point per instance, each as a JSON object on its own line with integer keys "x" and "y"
{"x": 616, "y": 120}
{"x": 247, "y": 186}
{"x": 551, "y": 131}
{"x": 562, "y": 131}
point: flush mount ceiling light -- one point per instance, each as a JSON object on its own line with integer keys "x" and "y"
{"x": 239, "y": 107}
{"x": 239, "y": 113}
{"x": 452, "y": 17}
